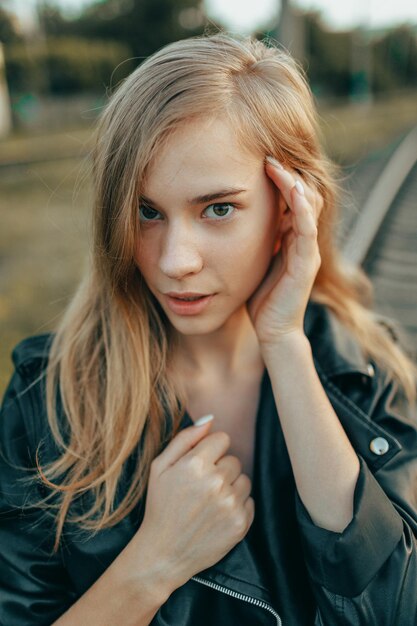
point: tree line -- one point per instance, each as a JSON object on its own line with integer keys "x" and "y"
{"x": 97, "y": 49}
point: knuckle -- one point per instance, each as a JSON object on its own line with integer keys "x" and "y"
{"x": 230, "y": 503}
{"x": 247, "y": 483}
{"x": 230, "y": 462}
{"x": 240, "y": 523}
{"x": 238, "y": 464}
{"x": 224, "y": 438}
{"x": 194, "y": 465}
{"x": 251, "y": 507}
{"x": 215, "y": 484}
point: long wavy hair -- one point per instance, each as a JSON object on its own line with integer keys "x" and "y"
{"x": 110, "y": 357}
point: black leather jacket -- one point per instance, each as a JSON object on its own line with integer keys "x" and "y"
{"x": 364, "y": 576}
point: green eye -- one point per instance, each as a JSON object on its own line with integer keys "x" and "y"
{"x": 147, "y": 213}
{"x": 220, "y": 210}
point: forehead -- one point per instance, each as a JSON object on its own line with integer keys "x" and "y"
{"x": 201, "y": 152}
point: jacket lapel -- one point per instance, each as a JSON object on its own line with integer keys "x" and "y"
{"x": 237, "y": 570}
{"x": 335, "y": 352}
{"x": 333, "y": 345}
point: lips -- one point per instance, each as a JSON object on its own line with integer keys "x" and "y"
{"x": 190, "y": 299}
{"x": 186, "y": 295}
{"x": 188, "y": 303}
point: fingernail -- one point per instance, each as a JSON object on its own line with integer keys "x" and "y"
{"x": 203, "y": 420}
{"x": 299, "y": 187}
{"x": 274, "y": 162}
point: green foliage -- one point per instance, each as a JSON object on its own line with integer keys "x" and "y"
{"x": 65, "y": 65}
{"x": 350, "y": 63}
{"x": 8, "y": 27}
{"x": 81, "y": 54}
{"x": 327, "y": 56}
{"x": 395, "y": 60}
{"x": 143, "y": 25}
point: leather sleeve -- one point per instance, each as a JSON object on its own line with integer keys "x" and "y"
{"x": 367, "y": 574}
{"x": 34, "y": 587}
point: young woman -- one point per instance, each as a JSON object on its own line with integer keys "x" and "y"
{"x": 215, "y": 289}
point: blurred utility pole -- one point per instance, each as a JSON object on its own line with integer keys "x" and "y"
{"x": 5, "y": 111}
{"x": 41, "y": 37}
{"x": 291, "y": 29}
{"x": 361, "y": 60}
{"x": 360, "y": 89}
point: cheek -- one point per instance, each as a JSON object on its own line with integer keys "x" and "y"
{"x": 144, "y": 258}
{"x": 249, "y": 257}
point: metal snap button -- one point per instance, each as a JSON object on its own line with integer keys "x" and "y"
{"x": 371, "y": 370}
{"x": 379, "y": 445}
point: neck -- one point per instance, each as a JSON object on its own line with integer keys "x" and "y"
{"x": 224, "y": 353}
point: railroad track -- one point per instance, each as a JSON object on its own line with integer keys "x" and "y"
{"x": 381, "y": 236}
{"x": 383, "y": 240}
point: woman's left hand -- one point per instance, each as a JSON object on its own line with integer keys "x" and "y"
{"x": 278, "y": 305}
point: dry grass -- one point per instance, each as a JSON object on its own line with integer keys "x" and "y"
{"x": 44, "y": 212}
{"x": 38, "y": 145}
{"x": 44, "y": 248}
{"x": 352, "y": 132}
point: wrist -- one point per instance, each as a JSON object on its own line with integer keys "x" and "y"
{"x": 285, "y": 346}
{"x": 144, "y": 572}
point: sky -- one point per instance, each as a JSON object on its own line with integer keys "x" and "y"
{"x": 247, "y": 15}
{"x": 338, "y": 14}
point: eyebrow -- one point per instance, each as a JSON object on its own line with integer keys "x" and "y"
{"x": 207, "y": 197}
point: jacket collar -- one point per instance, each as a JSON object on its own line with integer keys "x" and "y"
{"x": 335, "y": 349}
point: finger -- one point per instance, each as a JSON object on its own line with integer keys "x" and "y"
{"x": 231, "y": 467}
{"x": 212, "y": 447}
{"x": 318, "y": 204}
{"x": 242, "y": 487}
{"x": 285, "y": 179}
{"x": 282, "y": 178}
{"x": 304, "y": 226}
{"x": 250, "y": 509}
{"x": 288, "y": 244}
{"x": 182, "y": 443}
{"x": 302, "y": 211}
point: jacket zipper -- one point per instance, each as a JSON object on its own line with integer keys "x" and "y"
{"x": 240, "y": 596}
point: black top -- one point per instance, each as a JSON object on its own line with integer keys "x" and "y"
{"x": 286, "y": 570}
{"x": 274, "y": 540}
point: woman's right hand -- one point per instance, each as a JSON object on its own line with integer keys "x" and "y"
{"x": 198, "y": 503}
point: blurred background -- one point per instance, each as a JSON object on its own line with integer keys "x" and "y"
{"x": 61, "y": 59}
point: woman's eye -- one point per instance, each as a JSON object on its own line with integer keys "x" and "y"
{"x": 147, "y": 213}
{"x": 220, "y": 210}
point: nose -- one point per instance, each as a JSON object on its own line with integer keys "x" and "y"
{"x": 180, "y": 253}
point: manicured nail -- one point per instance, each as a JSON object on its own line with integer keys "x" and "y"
{"x": 299, "y": 187}
{"x": 203, "y": 420}
{"x": 274, "y": 162}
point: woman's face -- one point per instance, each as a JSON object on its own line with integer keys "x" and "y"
{"x": 220, "y": 245}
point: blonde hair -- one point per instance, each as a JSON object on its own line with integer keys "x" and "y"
{"x": 110, "y": 357}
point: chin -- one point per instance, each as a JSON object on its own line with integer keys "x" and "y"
{"x": 195, "y": 326}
